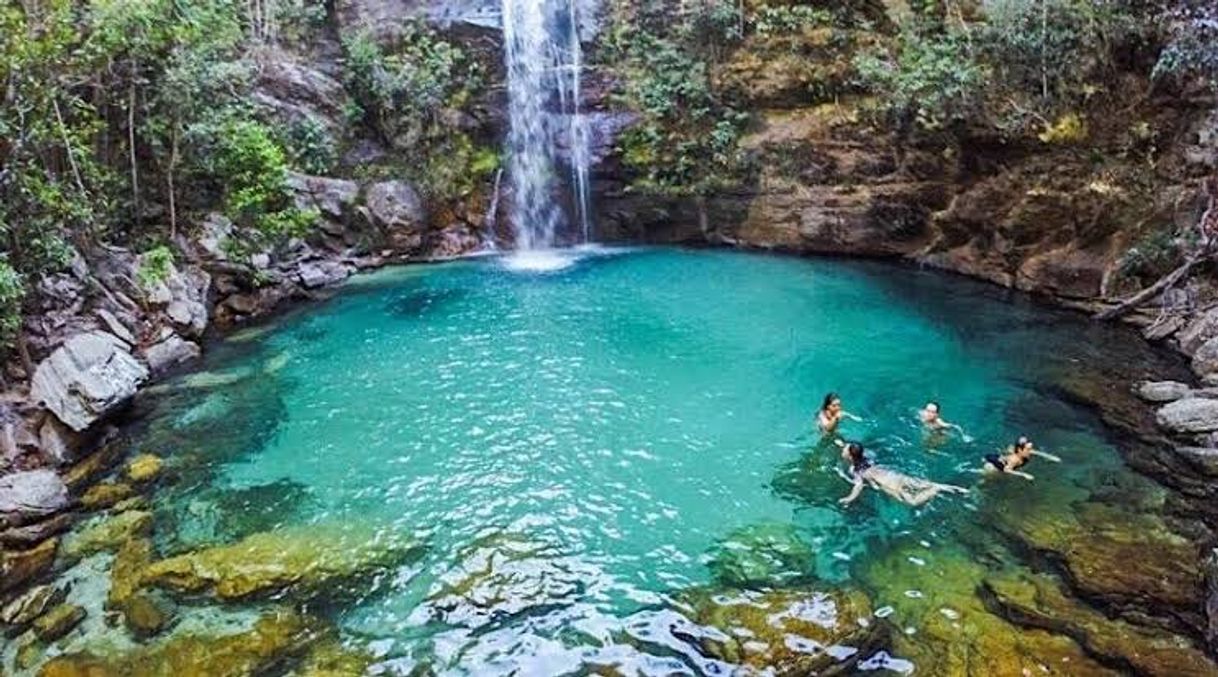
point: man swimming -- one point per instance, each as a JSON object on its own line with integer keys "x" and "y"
{"x": 909, "y": 490}
{"x": 932, "y": 419}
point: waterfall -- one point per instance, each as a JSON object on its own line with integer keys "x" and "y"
{"x": 543, "y": 57}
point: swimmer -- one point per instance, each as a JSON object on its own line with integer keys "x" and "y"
{"x": 910, "y": 490}
{"x": 932, "y": 419}
{"x": 831, "y": 414}
{"x": 1017, "y": 455}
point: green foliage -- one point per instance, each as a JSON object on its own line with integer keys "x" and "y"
{"x": 1191, "y": 50}
{"x": 687, "y": 139}
{"x": 12, "y": 293}
{"x": 155, "y": 265}
{"x": 253, "y": 168}
{"x": 310, "y": 146}
{"x": 401, "y": 95}
{"x": 1152, "y": 256}
{"x": 930, "y": 79}
{"x": 776, "y": 20}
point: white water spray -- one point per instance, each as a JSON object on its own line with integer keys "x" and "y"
{"x": 544, "y": 60}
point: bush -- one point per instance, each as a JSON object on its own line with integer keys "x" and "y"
{"x": 931, "y": 79}
{"x": 252, "y": 168}
{"x": 12, "y": 293}
{"x": 155, "y": 265}
{"x": 310, "y": 146}
{"x": 771, "y": 20}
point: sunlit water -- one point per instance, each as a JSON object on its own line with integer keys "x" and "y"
{"x": 619, "y": 416}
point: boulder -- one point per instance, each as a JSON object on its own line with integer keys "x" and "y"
{"x": 784, "y": 631}
{"x": 182, "y": 295}
{"x": 1162, "y": 391}
{"x": 298, "y": 561}
{"x": 1189, "y": 415}
{"x": 334, "y": 198}
{"x": 144, "y": 617}
{"x": 88, "y": 377}
{"x": 1205, "y": 359}
{"x": 396, "y": 209}
{"x": 214, "y": 234}
{"x": 21, "y": 566}
{"x": 321, "y": 274}
{"x": 36, "y": 532}
{"x": 1198, "y": 331}
{"x": 58, "y": 622}
{"x": 170, "y": 352}
{"x": 126, "y": 572}
{"x": 34, "y": 602}
{"x": 30, "y": 495}
{"x": 57, "y": 443}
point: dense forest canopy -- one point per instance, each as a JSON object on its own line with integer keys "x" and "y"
{"x": 125, "y": 120}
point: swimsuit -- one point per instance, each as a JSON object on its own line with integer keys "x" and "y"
{"x": 996, "y": 461}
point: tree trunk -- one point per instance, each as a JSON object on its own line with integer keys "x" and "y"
{"x": 135, "y": 174}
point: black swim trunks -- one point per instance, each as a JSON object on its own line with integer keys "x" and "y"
{"x": 996, "y": 461}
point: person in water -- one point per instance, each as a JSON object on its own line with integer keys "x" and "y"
{"x": 831, "y": 414}
{"x": 1017, "y": 456}
{"x": 910, "y": 490}
{"x": 932, "y": 421}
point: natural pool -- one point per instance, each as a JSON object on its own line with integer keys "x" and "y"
{"x": 611, "y": 468}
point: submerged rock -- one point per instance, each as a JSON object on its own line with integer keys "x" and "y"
{"x": 105, "y": 495}
{"x": 22, "y": 610}
{"x": 18, "y": 567}
{"x": 144, "y": 617}
{"x": 58, "y": 622}
{"x": 300, "y": 561}
{"x": 785, "y": 632}
{"x": 761, "y": 555}
{"x": 226, "y": 515}
{"x": 1037, "y": 602}
{"x": 1131, "y": 564}
{"x": 126, "y": 572}
{"x": 107, "y": 532}
{"x": 29, "y": 495}
{"x": 144, "y": 468}
{"x": 270, "y": 646}
{"x": 87, "y": 378}
{"x": 505, "y": 576}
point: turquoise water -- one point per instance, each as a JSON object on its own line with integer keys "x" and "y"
{"x": 607, "y": 429}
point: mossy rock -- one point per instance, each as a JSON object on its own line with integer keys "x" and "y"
{"x": 503, "y": 576}
{"x": 933, "y": 592}
{"x": 1130, "y": 563}
{"x": 144, "y": 616}
{"x": 226, "y": 515}
{"x": 330, "y": 658}
{"x": 23, "y": 609}
{"x": 58, "y": 622}
{"x": 18, "y": 567}
{"x": 127, "y": 570}
{"x": 1035, "y": 601}
{"x": 762, "y": 555}
{"x": 301, "y": 561}
{"x": 106, "y": 533}
{"x": 785, "y": 632}
{"x": 275, "y": 642}
{"x": 105, "y": 495}
{"x": 144, "y": 468}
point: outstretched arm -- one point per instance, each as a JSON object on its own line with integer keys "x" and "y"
{"x": 852, "y": 417}
{"x": 1051, "y": 457}
{"x": 854, "y": 493}
{"x": 1020, "y": 473}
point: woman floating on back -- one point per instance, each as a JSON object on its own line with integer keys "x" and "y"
{"x": 831, "y": 414}
{"x": 911, "y": 490}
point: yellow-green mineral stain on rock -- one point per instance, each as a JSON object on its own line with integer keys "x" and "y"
{"x": 301, "y": 559}
{"x": 940, "y": 624}
{"x": 106, "y": 533}
{"x": 144, "y": 468}
{"x": 275, "y": 641}
{"x": 795, "y": 631}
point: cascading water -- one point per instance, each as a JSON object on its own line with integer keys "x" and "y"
{"x": 544, "y": 60}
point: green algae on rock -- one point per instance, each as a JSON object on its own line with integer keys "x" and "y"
{"x": 105, "y": 495}
{"x": 144, "y": 617}
{"x": 1035, "y": 601}
{"x": 106, "y": 533}
{"x": 792, "y": 631}
{"x": 274, "y": 642}
{"x": 300, "y": 560}
{"x": 58, "y": 621}
{"x": 144, "y": 468}
{"x": 23, "y": 609}
{"x": 761, "y": 555}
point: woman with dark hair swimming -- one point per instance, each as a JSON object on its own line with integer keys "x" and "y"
{"x": 910, "y": 490}
{"x": 831, "y": 414}
{"x": 1017, "y": 455}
